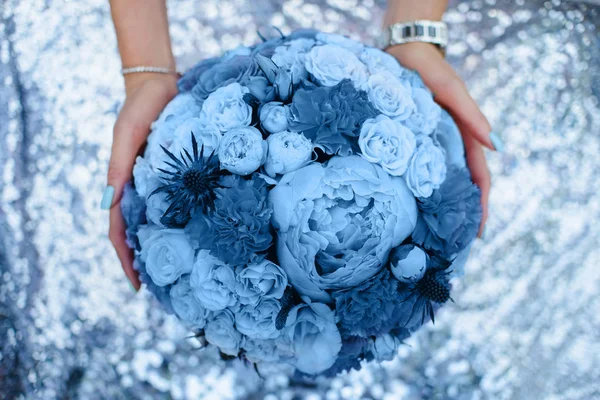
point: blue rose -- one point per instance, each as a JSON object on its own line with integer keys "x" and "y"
{"x": 448, "y": 136}
{"x": 387, "y": 142}
{"x": 408, "y": 263}
{"x": 238, "y": 229}
{"x": 427, "y": 112}
{"x": 237, "y": 69}
{"x": 369, "y": 309}
{"x": 390, "y": 95}
{"x": 340, "y": 41}
{"x": 274, "y": 117}
{"x": 167, "y": 254}
{"x": 262, "y": 280}
{"x": 378, "y": 61}
{"x": 291, "y": 56}
{"x": 258, "y": 321}
{"x": 213, "y": 282}
{"x": 220, "y": 332}
{"x": 331, "y": 117}
{"x": 242, "y": 150}
{"x": 385, "y": 347}
{"x": 336, "y": 224}
{"x": 314, "y": 336}
{"x": 449, "y": 219}
{"x": 288, "y": 151}
{"x": 226, "y": 108}
{"x": 426, "y": 169}
{"x": 186, "y": 305}
{"x": 330, "y": 64}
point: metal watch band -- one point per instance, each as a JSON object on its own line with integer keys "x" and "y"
{"x": 435, "y": 32}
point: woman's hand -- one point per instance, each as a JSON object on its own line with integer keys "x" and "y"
{"x": 146, "y": 96}
{"x": 451, "y": 93}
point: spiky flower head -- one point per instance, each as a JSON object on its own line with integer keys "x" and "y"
{"x": 190, "y": 185}
{"x": 431, "y": 289}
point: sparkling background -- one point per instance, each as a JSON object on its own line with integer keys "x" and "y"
{"x": 526, "y": 323}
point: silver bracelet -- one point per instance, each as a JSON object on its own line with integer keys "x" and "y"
{"x": 435, "y": 32}
{"x": 145, "y": 68}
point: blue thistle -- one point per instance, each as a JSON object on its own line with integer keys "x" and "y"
{"x": 432, "y": 288}
{"x": 190, "y": 185}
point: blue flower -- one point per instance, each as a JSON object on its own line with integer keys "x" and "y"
{"x": 221, "y": 332}
{"x": 408, "y": 262}
{"x": 331, "y": 117}
{"x": 336, "y": 224}
{"x": 242, "y": 150}
{"x": 354, "y": 350}
{"x": 427, "y": 112}
{"x": 274, "y": 117}
{"x": 370, "y": 308}
{"x": 340, "y": 41}
{"x": 133, "y": 208}
{"x": 449, "y": 138}
{"x": 288, "y": 151}
{"x": 378, "y": 61}
{"x": 160, "y": 292}
{"x": 315, "y": 338}
{"x": 387, "y": 142}
{"x": 390, "y": 95}
{"x": 190, "y": 78}
{"x": 385, "y": 347}
{"x": 258, "y": 321}
{"x": 267, "y": 350}
{"x": 167, "y": 254}
{"x": 262, "y": 280}
{"x": 186, "y": 305}
{"x": 330, "y": 64}
{"x": 237, "y": 69}
{"x": 449, "y": 219}
{"x": 238, "y": 228}
{"x": 426, "y": 169}
{"x": 226, "y": 108}
{"x": 213, "y": 282}
{"x": 291, "y": 56}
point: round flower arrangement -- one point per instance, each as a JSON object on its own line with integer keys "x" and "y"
{"x": 303, "y": 201}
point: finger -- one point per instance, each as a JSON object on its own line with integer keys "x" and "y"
{"x": 118, "y": 238}
{"x": 479, "y": 172}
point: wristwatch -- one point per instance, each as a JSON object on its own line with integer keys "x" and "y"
{"x": 434, "y": 32}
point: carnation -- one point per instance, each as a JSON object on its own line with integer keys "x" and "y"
{"x": 449, "y": 219}
{"x": 369, "y": 308}
{"x": 331, "y": 117}
{"x": 238, "y": 228}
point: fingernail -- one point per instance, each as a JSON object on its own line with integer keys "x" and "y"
{"x": 107, "y": 197}
{"x": 133, "y": 287}
{"x": 497, "y": 142}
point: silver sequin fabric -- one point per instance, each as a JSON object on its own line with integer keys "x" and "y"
{"x": 525, "y": 323}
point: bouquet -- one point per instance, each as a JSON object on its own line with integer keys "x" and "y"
{"x": 303, "y": 201}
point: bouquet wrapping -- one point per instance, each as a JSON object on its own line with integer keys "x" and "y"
{"x": 304, "y": 202}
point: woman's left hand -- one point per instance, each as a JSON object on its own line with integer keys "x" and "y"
{"x": 451, "y": 93}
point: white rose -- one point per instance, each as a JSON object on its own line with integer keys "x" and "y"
{"x": 388, "y": 143}
{"x": 274, "y": 117}
{"x": 408, "y": 263}
{"x": 288, "y": 151}
{"x": 330, "y": 64}
{"x": 167, "y": 254}
{"x": 379, "y": 61}
{"x": 390, "y": 96}
{"x": 341, "y": 41}
{"x": 242, "y": 150}
{"x": 207, "y": 136}
{"x": 226, "y": 109}
{"x": 427, "y": 168}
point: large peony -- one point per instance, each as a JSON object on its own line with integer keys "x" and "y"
{"x": 336, "y": 224}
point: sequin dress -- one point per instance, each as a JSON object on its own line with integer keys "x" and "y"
{"x": 525, "y": 323}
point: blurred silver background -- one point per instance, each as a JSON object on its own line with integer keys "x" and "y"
{"x": 526, "y": 322}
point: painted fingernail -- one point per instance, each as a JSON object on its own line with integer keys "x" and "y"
{"x": 133, "y": 289}
{"x": 497, "y": 142}
{"x": 482, "y": 237}
{"x": 107, "y": 197}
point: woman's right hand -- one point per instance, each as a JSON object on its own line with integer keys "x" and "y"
{"x": 146, "y": 96}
